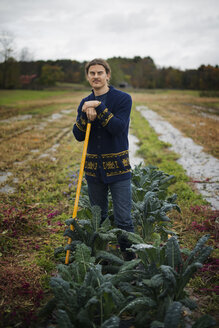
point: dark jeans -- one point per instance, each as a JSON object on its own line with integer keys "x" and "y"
{"x": 122, "y": 202}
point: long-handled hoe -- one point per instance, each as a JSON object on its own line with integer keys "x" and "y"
{"x": 79, "y": 184}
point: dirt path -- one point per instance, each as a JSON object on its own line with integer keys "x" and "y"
{"x": 202, "y": 168}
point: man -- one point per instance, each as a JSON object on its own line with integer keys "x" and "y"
{"x": 107, "y": 164}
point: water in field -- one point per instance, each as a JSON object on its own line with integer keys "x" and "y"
{"x": 201, "y": 167}
{"x": 133, "y": 147}
{"x": 17, "y": 118}
{"x": 4, "y": 176}
{"x": 7, "y": 189}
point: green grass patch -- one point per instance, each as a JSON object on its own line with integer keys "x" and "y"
{"x": 194, "y": 93}
{"x": 209, "y": 93}
{"x": 47, "y": 109}
{"x": 170, "y": 92}
{"x": 42, "y": 103}
{"x": 12, "y": 97}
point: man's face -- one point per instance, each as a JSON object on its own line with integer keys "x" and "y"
{"x": 97, "y": 77}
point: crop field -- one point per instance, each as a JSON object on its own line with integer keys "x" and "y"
{"x": 39, "y": 163}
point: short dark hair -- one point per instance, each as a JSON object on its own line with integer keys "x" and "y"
{"x": 98, "y": 61}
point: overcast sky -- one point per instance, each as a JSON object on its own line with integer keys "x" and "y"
{"x": 179, "y": 33}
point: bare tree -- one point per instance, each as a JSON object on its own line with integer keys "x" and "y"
{"x": 6, "y": 45}
{"x": 26, "y": 55}
{"x": 9, "y": 69}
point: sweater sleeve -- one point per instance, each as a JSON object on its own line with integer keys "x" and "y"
{"x": 79, "y": 128}
{"x": 115, "y": 123}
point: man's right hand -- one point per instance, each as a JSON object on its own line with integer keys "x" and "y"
{"x": 90, "y": 112}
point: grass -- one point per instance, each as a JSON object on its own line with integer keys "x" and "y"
{"x": 13, "y": 97}
{"x": 32, "y": 219}
{"x": 20, "y": 102}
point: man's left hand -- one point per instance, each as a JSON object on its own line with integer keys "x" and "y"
{"x": 90, "y": 103}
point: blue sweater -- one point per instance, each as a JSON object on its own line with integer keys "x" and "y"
{"x": 107, "y": 157}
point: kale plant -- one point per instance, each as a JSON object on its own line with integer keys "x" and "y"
{"x": 149, "y": 203}
{"x": 83, "y": 296}
{"x": 163, "y": 276}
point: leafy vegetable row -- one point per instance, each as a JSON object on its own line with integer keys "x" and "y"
{"x": 99, "y": 289}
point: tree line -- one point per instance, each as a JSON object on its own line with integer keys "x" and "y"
{"x": 136, "y": 72}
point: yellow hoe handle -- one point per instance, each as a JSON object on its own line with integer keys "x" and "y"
{"x": 79, "y": 185}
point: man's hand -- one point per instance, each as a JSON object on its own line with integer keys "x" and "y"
{"x": 91, "y": 113}
{"x": 89, "y": 109}
{"x": 91, "y": 103}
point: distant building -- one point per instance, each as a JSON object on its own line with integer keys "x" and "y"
{"x": 27, "y": 81}
{"x": 123, "y": 84}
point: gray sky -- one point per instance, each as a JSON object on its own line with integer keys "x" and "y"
{"x": 179, "y": 33}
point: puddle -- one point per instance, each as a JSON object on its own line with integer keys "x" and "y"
{"x": 50, "y": 150}
{"x": 51, "y": 158}
{"x": 42, "y": 126}
{"x": 210, "y": 192}
{"x": 7, "y": 189}
{"x": 210, "y": 110}
{"x": 34, "y": 150}
{"x": 67, "y": 111}
{"x": 17, "y": 118}
{"x": 206, "y": 112}
{"x": 54, "y": 147}
{"x": 4, "y": 176}
{"x": 198, "y": 164}
{"x": 19, "y": 163}
{"x": 55, "y": 117}
{"x": 43, "y": 155}
{"x": 213, "y": 117}
{"x": 133, "y": 147}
